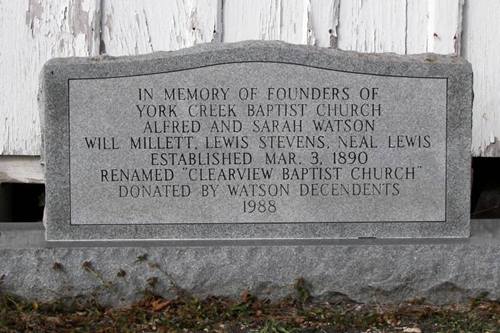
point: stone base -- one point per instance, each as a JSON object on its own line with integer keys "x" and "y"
{"x": 367, "y": 270}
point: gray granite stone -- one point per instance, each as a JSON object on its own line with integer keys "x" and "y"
{"x": 371, "y": 270}
{"x": 426, "y": 98}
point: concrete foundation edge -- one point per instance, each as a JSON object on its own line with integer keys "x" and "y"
{"x": 441, "y": 271}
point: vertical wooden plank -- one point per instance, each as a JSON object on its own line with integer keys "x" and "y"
{"x": 266, "y": 20}
{"x": 31, "y": 32}
{"x": 135, "y": 26}
{"x": 434, "y": 26}
{"x": 446, "y": 26}
{"x": 294, "y": 21}
{"x": 324, "y": 19}
{"x": 417, "y": 31}
{"x": 21, "y": 169}
{"x": 372, "y": 25}
{"x": 481, "y": 47}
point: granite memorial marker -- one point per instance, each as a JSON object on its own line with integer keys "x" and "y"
{"x": 257, "y": 140}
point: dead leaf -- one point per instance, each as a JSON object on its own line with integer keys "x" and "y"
{"x": 54, "y": 320}
{"x": 245, "y": 296}
{"x": 160, "y": 304}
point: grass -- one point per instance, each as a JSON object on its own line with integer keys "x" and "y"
{"x": 297, "y": 313}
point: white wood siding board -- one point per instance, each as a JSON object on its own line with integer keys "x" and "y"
{"x": 417, "y": 30}
{"x": 286, "y": 20}
{"x": 445, "y": 25}
{"x": 258, "y": 19}
{"x": 31, "y": 32}
{"x": 434, "y": 26}
{"x": 401, "y": 26}
{"x": 21, "y": 169}
{"x": 294, "y": 24}
{"x": 324, "y": 19}
{"x": 372, "y": 25}
{"x": 133, "y": 27}
{"x": 481, "y": 46}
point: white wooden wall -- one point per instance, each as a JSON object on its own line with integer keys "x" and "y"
{"x": 481, "y": 46}
{"x": 32, "y": 31}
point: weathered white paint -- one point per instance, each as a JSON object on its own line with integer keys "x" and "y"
{"x": 135, "y": 26}
{"x": 434, "y": 26}
{"x": 323, "y": 22}
{"x": 285, "y": 20}
{"x": 295, "y": 21}
{"x": 372, "y": 25}
{"x": 31, "y": 32}
{"x": 446, "y": 19}
{"x": 401, "y": 26}
{"x": 481, "y": 46}
{"x": 21, "y": 169}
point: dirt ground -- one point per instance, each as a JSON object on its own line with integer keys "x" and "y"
{"x": 296, "y": 313}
